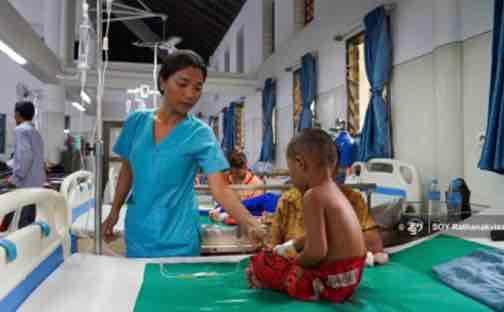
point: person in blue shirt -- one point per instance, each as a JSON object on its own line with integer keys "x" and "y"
{"x": 27, "y": 163}
{"x": 162, "y": 151}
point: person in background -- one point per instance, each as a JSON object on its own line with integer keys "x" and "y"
{"x": 239, "y": 173}
{"x": 27, "y": 163}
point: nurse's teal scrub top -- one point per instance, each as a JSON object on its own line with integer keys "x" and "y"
{"x": 162, "y": 215}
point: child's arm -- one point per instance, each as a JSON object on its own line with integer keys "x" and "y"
{"x": 315, "y": 247}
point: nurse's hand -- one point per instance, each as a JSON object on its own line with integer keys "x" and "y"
{"x": 257, "y": 233}
{"x": 108, "y": 227}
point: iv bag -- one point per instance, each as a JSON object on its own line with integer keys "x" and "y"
{"x": 84, "y": 40}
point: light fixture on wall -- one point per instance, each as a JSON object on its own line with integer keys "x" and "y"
{"x": 79, "y": 106}
{"x": 12, "y": 54}
{"x": 85, "y": 97}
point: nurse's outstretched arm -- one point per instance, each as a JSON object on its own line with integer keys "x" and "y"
{"x": 123, "y": 187}
{"x": 228, "y": 199}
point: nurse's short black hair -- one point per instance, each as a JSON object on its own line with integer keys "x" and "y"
{"x": 25, "y": 109}
{"x": 179, "y": 60}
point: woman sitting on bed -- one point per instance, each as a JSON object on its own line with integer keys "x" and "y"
{"x": 256, "y": 201}
{"x": 239, "y": 173}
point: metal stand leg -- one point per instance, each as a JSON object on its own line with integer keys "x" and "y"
{"x": 99, "y": 129}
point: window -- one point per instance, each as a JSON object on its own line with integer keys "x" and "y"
{"x": 227, "y": 61}
{"x": 309, "y": 10}
{"x": 67, "y": 123}
{"x": 357, "y": 84}
{"x": 298, "y": 101}
{"x": 240, "y": 51}
{"x": 240, "y": 133}
{"x": 214, "y": 123}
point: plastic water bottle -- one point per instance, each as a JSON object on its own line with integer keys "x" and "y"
{"x": 434, "y": 200}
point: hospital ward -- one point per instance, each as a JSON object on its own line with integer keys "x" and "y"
{"x": 251, "y": 155}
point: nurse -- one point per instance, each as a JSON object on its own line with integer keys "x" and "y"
{"x": 161, "y": 153}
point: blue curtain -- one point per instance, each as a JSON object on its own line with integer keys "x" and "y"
{"x": 492, "y": 155}
{"x": 308, "y": 89}
{"x": 375, "y": 138}
{"x": 228, "y": 141}
{"x": 268, "y": 105}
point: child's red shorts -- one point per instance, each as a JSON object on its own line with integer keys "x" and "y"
{"x": 335, "y": 281}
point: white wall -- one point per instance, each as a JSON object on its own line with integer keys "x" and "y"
{"x": 250, "y": 17}
{"x": 253, "y": 127}
{"x": 284, "y": 21}
{"x": 438, "y": 46}
{"x": 477, "y": 17}
{"x": 31, "y": 11}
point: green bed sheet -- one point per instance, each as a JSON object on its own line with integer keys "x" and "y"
{"x": 405, "y": 284}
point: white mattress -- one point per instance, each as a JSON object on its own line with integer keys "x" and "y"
{"x": 91, "y": 283}
{"x": 113, "y": 283}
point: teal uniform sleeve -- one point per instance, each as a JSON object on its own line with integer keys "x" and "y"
{"x": 209, "y": 155}
{"x": 123, "y": 145}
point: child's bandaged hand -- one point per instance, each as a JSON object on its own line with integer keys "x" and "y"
{"x": 286, "y": 250}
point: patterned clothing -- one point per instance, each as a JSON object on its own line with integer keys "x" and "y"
{"x": 250, "y": 179}
{"x": 288, "y": 222}
{"x": 334, "y": 281}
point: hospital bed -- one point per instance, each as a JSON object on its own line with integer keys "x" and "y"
{"x": 79, "y": 191}
{"x": 44, "y": 276}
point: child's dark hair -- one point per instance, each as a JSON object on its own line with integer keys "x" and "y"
{"x": 25, "y": 109}
{"x": 179, "y": 60}
{"x": 237, "y": 159}
{"x": 316, "y": 143}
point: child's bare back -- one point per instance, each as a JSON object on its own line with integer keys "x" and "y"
{"x": 343, "y": 233}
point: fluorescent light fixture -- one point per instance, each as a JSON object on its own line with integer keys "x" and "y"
{"x": 12, "y": 54}
{"x": 78, "y": 106}
{"x": 85, "y": 97}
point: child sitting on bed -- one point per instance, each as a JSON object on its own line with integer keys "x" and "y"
{"x": 332, "y": 261}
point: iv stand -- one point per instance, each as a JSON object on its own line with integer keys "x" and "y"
{"x": 99, "y": 130}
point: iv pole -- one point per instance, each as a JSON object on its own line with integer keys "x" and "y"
{"x": 99, "y": 130}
